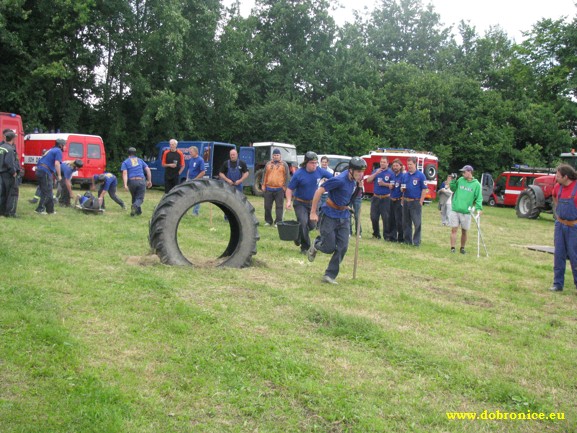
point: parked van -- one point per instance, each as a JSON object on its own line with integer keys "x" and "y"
{"x": 14, "y": 122}
{"x": 213, "y": 153}
{"x": 88, "y": 148}
{"x": 505, "y": 190}
{"x": 335, "y": 160}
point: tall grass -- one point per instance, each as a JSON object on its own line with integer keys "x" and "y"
{"x": 96, "y": 336}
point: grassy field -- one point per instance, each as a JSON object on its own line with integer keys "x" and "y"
{"x": 96, "y": 336}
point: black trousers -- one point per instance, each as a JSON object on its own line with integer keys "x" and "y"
{"x": 9, "y": 191}
{"x": 169, "y": 183}
{"x": 276, "y": 197}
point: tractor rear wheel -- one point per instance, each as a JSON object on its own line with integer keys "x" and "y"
{"x": 164, "y": 225}
{"x": 526, "y": 206}
{"x": 257, "y": 187}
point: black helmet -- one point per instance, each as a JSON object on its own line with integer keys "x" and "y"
{"x": 132, "y": 150}
{"x": 78, "y": 163}
{"x": 60, "y": 143}
{"x": 101, "y": 177}
{"x": 357, "y": 163}
{"x": 310, "y": 156}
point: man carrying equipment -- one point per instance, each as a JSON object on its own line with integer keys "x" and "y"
{"x": 336, "y": 219}
{"x": 108, "y": 183}
{"x": 47, "y": 167}
{"x": 302, "y": 187}
{"x": 65, "y": 187}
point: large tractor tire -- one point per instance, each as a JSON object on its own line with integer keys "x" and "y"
{"x": 257, "y": 187}
{"x": 174, "y": 205}
{"x": 526, "y": 206}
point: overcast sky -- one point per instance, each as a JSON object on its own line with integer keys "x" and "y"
{"x": 514, "y": 16}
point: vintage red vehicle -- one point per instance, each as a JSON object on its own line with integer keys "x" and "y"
{"x": 537, "y": 198}
{"x": 427, "y": 162}
{"x": 509, "y": 185}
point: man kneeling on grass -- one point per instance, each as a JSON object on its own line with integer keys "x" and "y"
{"x": 335, "y": 221}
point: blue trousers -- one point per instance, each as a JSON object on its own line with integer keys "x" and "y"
{"x": 565, "y": 247}
{"x": 45, "y": 183}
{"x": 412, "y": 215}
{"x": 137, "y": 190}
{"x": 334, "y": 239}
{"x": 112, "y": 194}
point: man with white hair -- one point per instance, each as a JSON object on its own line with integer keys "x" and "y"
{"x": 173, "y": 163}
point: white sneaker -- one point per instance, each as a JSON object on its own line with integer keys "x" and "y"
{"x": 328, "y": 280}
{"x": 266, "y": 224}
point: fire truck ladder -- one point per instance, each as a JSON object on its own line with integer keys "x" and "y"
{"x": 421, "y": 163}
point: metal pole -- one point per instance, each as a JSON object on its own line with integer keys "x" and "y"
{"x": 358, "y": 219}
{"x": 479, "y": 233}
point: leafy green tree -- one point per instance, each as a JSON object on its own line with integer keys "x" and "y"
{"x": 405, "y": 31}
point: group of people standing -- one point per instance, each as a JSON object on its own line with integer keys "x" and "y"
{"x": 397, "y": 201}
{"x": 399, "y": 196}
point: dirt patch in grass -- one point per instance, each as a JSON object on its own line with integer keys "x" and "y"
{"x": 149, "y": 260}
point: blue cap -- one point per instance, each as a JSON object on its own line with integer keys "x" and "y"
{"x": 276, "y": 152}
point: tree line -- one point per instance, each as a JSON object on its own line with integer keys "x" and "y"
{"x": 140, "y": 71}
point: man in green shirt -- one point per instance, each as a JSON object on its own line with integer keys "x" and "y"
{"x": 467, "y": 192}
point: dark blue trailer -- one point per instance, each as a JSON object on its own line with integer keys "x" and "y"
{"x": 214, "y": 154}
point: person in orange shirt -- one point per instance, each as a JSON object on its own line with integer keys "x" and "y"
{"x": 173, "y": 163}
{"x": 275, "y": 181}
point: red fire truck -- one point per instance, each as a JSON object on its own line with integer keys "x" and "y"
{"x": 14, "y": 122}
{"x": 427, "y": 162}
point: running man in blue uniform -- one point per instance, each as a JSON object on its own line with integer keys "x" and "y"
{"x": 336, "y": 218}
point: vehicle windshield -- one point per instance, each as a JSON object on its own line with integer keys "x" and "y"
{"x": 288, "y": 155}
{"x": 571, "y": 160}
{"x": 264, "y": 154}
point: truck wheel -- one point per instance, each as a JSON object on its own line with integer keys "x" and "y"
{"x": 257, "y": 187}
{"x": 430, "y": 171}
{"x": 492, "y": 202}
{"x": 526, "y": 206}
{"x": 173, "y": 206}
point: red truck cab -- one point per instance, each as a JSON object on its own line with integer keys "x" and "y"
{"x": 14, "y": 122}
{"x": 88, "y": 148}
